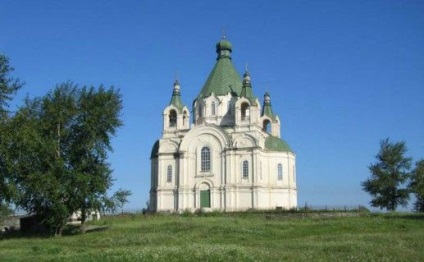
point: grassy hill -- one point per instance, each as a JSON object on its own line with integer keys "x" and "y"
{"x": 274, "y": 236}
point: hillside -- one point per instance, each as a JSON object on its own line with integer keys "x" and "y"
{"x": 232, "y": 237}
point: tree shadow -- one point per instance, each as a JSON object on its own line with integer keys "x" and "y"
{"x": 410, "y": 216}
{"x": 69, "y": 230}
{"x": 17, "y": 233}
{"x": 93, "y": 228}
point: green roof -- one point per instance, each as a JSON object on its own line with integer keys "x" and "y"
{"x": 176, "y": 97}
{"x": 273, "y": 143}
{"x": 222, "y": 80}
{"x": 267, "y": 109}
{"x": 224, "y": 44}
{"x": 246, "y": 90}
{"x": 176, "y": 101}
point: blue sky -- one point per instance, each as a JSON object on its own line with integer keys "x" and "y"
{"x": 342, "y": 75}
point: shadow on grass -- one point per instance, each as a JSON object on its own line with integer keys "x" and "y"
{"x": 96, "y": 228}
{"x": 69, "y": 230}
{"x": 416, "y": 216}
{"x": 15, "y": 233}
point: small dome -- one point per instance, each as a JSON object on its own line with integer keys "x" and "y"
{"x": 224, "y": 44}
{"x": 267, "y": 98}
{"x": 246, "y": 77}
{"x": 176, "y": 86}
{"x": 273, "y": 143}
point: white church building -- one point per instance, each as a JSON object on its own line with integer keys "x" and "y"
{"x": 230, "y": 157}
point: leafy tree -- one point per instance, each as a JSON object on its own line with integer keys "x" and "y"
{"x": 117, "y": 200}
{"x": 8, "y": 85}
{"x": 60, "y": 150}
{"x": 121, "y": 198}
{"x": 5, "y": 210}
{"x": 8, "y": 88}
{"x": 417, "y": 185}
{"x": 388, "y": 176}
{"x": 98, "y": 118}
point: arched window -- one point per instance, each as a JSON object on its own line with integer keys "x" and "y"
{"x": 205, "y": 159}
{"x": 200, "y": 110}
{"x": 172, "y": 118}
{"x": 245, "y": 169}
{"x": 280, "y": 171}
{"x": 230, "y": 112}
{"x": 184, "y": 118}
{"x": 169, "y": 174}
{"x": 245, "y": 111}
{"x": 213, "y": 108}
{"x": 266, "y": 126}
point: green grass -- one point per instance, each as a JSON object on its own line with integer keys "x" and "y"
{"x": 232, "y": 237}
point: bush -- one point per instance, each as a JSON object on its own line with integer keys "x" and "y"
{"x": 362, "y": 209}
{"x": 5, "y": 210}
{"x": 187, "y": 213}
{"x": 200, "y": 212}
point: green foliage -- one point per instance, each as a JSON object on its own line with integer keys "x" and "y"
{"x": 187, "y": 213}
{"x": 388, "y": 176}
{"x": 200, "y": 212}
{"x": 59, "y": 151}
{"x": 5, "y": 210}
{"x": 115, "y": 202}
{"x": 8, "y": 88}
{"x": 120, "y": 198}
{"x": 363, "y": 209}
{"x": 8, "y": 85}
{"x": 417, "y": 185}
{"x": 256, "y": 237}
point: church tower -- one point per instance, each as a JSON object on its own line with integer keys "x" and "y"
{"x": 175, "y": 116}
{"x": 231, "y": 158}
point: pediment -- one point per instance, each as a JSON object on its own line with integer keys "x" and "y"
{"x": 244, "y": 142}
{"x": 168, "y": 147}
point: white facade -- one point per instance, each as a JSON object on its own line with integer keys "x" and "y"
{"x": 231, "y": 158}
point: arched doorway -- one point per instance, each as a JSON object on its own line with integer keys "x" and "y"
{"x": 205, "y": 196}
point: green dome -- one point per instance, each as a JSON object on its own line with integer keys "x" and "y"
{"x": 273, "y": 143}
{"x": 224, "y": 44}
{"x": 222, "y": 80}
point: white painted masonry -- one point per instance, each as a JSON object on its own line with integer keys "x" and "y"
{"x": 230, "y": 158}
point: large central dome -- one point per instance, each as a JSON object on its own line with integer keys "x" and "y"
{"x": 224, "y": 78}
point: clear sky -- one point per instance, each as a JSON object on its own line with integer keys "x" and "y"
{"x": 342, "y": 75}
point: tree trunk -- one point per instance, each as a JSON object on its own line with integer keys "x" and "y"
{"x": 83, "y": 219}
{"x": 58, "y": 231}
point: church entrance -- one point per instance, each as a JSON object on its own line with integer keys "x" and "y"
{"x": 205, "y": 195}
{"x": 205, "y": 198}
